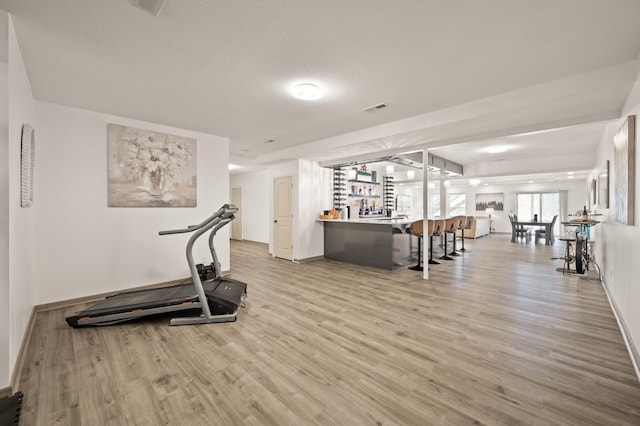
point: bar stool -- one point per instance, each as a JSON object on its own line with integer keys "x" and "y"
{"x": 417, "y": 229}
{"x": 440, "y": 226}
{"x": 449, "y": 227}
{"x": 568, "y": 258}
{"x": 460, "y": 223}
{"x": 452, "y": 227}
{"x": 468, "y": 224}
{"x": 434, "y": 231}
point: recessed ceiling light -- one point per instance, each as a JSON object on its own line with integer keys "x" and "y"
{"x": 233, "y": 166}
{"x": 569, "y": 177}
{"x": 570, "y": 173}
{"x": 474, "y": 182}
{"x": 486, "y": 184}
{"x": 307, "y": 92}
{"x": 411, "y": 174}
{"x": 530, "y": 181}
{"x": 390, "y": 170}
{"x": 496, "y": 149}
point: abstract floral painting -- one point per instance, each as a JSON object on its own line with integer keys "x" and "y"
{"x": 150, "y": 169}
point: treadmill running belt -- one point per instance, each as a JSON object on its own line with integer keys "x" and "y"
{"x": 143, "y": 299}
{"x": 10, "y": 407}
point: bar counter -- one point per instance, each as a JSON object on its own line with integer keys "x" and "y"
{"x": 378, "y": 242}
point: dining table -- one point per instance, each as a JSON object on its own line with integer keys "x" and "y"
{"x": 548, "y": 234}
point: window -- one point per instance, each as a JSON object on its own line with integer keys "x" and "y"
{"x": 545, "y": 205}
{"x": 457, "y": 204}
{"x": 435, "y": 206}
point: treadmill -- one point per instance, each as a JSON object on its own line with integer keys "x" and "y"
{"x": 207, "y": 297}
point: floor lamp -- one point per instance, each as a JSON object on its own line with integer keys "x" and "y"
{"x": 490, "y": 211}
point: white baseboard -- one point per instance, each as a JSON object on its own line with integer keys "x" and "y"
{"x": 22, "y": 353}
{"x": 4, "y": 392}
{"x": 628, "y": 340}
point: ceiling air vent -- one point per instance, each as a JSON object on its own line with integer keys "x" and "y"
{"x": 151, "y": 6}
{"x": 375, "y": 107}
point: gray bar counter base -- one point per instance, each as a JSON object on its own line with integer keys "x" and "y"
{"x": 378, "y": 243}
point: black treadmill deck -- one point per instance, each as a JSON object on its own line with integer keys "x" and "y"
{"x": 223, "y": 295}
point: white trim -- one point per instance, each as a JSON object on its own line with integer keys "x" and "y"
{"x": 628, "y": 341}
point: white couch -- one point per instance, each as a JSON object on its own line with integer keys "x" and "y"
{"x": 480, "y": 228}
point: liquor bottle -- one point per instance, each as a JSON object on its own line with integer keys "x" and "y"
{"x": 585, "y": 215}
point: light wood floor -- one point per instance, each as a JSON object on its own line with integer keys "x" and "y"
{"x": 495, "y": 337}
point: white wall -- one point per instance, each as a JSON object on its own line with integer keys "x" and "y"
{"x": 255, "y": 202}
{"x": 618, "y": 245}
{"x": 576, "y": 191}
{"x": 312, "y": 193}
{"x": 5, "y": 181}
{"x": 576, "y": 194}
{"x": 415, "y": 192}
{"x": 315, "y": 194}
{"x": 22, "y": 263}
{"x": 84, "y": 247}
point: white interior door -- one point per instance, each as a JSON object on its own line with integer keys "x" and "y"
{"x": 236, "y": 224}
{"x": 283, "y": 230}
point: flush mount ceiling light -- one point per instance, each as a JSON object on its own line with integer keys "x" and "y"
{"x": 496, "y": 149}
{"x": 307, "y": 92}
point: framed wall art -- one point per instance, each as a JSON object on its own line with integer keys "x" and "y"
{"x": 27, "y": 164}
{"x": 624, "y": 149}
{"x": 150, "y": 169}
{"x": 493, "y": 200}
{"x": 603, "y": 186}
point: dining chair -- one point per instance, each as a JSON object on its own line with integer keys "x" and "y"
{"x": 519, "y": 231}
{"x": 542, "y": 233}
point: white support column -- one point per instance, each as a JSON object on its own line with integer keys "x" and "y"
{"x": 426, "y": 204}
{"x": 443, "y": 196}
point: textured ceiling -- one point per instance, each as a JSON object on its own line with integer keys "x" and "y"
{"x": 450, "y": 71}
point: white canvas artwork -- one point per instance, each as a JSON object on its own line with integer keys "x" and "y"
{"x": 150, "y": 169}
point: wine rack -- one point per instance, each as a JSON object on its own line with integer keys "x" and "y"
{"x": 388, "y": 190}
{"x": 339, "y": 188}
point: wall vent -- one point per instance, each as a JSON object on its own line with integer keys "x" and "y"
{"x": 375, "y": 107}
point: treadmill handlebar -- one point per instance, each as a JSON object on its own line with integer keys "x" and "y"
{"x": 225, "y": 212}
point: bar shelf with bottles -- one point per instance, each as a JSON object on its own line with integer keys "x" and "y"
{"x": 363, "y": 197}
